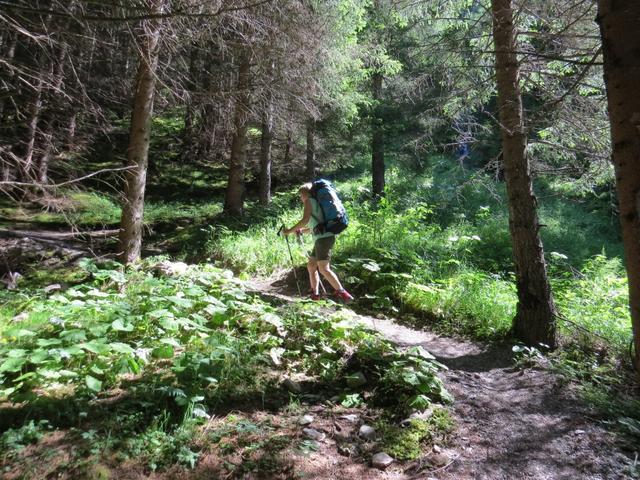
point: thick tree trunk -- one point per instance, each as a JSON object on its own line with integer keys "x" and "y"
{"x": 265, "y": 155}
{"x": 234, "y": 197}
{"x": 139, "y": 135}
{"x": 619, "y": 22}
{"x": 377, "y": 140}
{"x": 311, "y": 167}
{"x": 535, "y": 318}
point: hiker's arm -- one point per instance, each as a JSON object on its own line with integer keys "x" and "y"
{"x": 306, "y": 216}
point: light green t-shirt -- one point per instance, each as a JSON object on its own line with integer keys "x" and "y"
{"x": 316, "y": 218}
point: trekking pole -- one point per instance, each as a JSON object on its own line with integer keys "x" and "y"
{"x": 295, "y": 275}
{"x": 301, "y": 243}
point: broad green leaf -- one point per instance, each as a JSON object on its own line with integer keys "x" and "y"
{"x": 17, "y": 353}
{"x": 119, "y": 325}
{"x": 93, "y": 383}
{"x": 12, "y": 364}
{"x": 169, "y": 324}
{"x": 96, "y": 346}
{"x": 20, "y": 333}
{"x": 39, "y": 356}
{"x": 48, "y": 342}
{"x": 164, "y": 351}
{"x": 97, "y": 370}
{"x": 181, "y": 302}
{"x": 120, "y": 347}
{"x": 170, "y": 341}
{"x": 24, "y": 377}
{"x": 74, "y": 335}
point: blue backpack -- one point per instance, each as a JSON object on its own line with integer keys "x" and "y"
{"x": 335, "y": 216}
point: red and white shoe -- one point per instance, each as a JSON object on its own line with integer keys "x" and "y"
{"x": 343, "y": 296}
{"x": 314, "y": 296}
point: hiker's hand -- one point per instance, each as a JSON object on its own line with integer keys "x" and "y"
{"x": 286, "y": 231}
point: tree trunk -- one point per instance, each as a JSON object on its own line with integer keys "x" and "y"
{"x": 139, "y": 135}
{"x": 311, "y": 167}
{"x": 265, "y": 155}
{"x": 26, "y": 166}
{"x": 49, "y": 117}
{"x": 287, "y": 148}
{"x": 377, "y": 140}
{"x": 188, "y": 144}
{"x": 619, "y": 29}
{"x": 535, "y": 318}
{"x": 234, "y": 197}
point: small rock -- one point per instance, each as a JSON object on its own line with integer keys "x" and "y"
{"x": 356, "y": 380}
{"x": 314, "y": 434}
{"x": 439, "y": 459}
{"x": 351, "y": 417}
{"x": 381, "y": 460}
{"x": 293, "y": 387}
{"x": 52, "y": 288}
{"x": 306, "y": 420}
{"x": 437, "y": 449}
{"x": 579, "y": 432}
{"x": 366, "y": 432}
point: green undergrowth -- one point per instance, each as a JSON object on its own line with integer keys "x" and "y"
{"x": 437, "y": 247}
{"x": 409, "y": 440}
{"x": 134, "y": 361}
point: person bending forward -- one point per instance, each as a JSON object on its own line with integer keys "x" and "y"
{"x": 320, "y": 256}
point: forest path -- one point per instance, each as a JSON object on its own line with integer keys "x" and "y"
{"x": 512, "y": 423}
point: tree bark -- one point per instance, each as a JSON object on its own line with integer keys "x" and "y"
{"x": 139, "y": 135}
{"x": 621, "y": 49}
{"x": 534, "y": 322}
{"x": 311, "y": 167}
{"x": 265, "y": 154}
{"x": 26, "y": 166}
{"x": 287, "y": 148}
{"x": 234, "y": 197}
{"x": 377, "y": 140}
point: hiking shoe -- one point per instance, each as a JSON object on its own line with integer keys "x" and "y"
{"x": 343, "y": 296}
{"x": 314, "y": 296}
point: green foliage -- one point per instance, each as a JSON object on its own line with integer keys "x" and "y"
{"x": 408, "y": 441}
{"x": 13, "y": 440}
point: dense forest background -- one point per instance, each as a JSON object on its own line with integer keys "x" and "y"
{"x": 183, "y": 128}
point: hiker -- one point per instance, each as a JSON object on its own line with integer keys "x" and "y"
{"x": 320, "y": 255}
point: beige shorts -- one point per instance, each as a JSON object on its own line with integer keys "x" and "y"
{"x": 322, "y": 248}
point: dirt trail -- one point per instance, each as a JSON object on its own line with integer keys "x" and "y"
{"x": 512, "y": 423}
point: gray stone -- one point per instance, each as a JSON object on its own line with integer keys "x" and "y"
{"x": 351, "y": 417}
{"x": 306, "y": 420}
{"x": 52, "y": 288}
{"x": 293, "y": 387}
{"x": 439, "y": 459}
{"x": 314, "y": 434}
{"x": 381, "y": 460}
{"x": 366, "y": 432}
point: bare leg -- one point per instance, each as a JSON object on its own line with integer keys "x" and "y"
{"x": 332, "y": 278}
{"x": 314, "y": 278}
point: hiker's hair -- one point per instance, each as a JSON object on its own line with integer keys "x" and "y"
{"x": 305, "y": 188}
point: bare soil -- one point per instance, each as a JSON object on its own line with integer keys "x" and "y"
{"x": 512, "y": 423}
